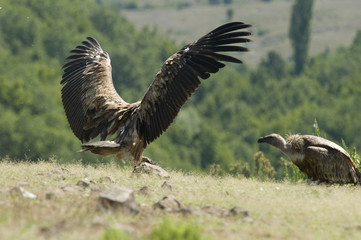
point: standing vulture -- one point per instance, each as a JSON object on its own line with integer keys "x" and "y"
{"x": 320, "y": 159}
{"x": 94, "y": 108}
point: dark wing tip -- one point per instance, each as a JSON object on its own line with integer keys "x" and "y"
{"x": 94, "y": 42}
{"x": 181, "y": 73}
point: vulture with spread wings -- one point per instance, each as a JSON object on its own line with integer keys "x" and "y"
{"x": 94, "y": 108}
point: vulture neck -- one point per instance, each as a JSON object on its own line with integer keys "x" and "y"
{"x": 282, "y": 145}
{"x": 293, "y": 147}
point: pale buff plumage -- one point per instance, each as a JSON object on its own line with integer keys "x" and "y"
{"x": 321, "y": 159}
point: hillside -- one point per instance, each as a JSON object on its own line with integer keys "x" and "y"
{"x": 58, "y": 205}
{"x": 333, "y": 25}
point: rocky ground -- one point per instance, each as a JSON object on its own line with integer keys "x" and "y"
{"x": 46, "y": 200}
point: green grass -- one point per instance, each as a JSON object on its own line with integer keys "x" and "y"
{"x": 63, "y": 210}
{"x": 176, "y": 230}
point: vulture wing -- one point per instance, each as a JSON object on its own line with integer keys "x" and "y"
{"x": 327, "y": 144}
{"x": 330, "y": 161}
{"x": 179, "y": 76}
{"x": 328, "y": 164}
{"x": 91, "y": 103}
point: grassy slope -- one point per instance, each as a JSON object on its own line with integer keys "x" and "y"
{"x": 334, "y": 24}
{"x": 279, "y": 210}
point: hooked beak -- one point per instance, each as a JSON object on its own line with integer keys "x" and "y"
{"x": 261, "y": 140}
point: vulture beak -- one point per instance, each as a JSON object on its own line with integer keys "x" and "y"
{"x": 261, "y": 140}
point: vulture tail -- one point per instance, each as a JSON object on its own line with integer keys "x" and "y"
{"x": 103, "y": 148}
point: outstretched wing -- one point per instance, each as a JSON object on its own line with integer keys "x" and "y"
{"x": 91, "y": 103}
{"x": 179, "y": 76}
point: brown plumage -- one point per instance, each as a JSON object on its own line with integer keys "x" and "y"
{"x": 94, "y": 108}
{"x": 320, "y": 159}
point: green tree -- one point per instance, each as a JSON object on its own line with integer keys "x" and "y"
{"x": 300, "y": 32}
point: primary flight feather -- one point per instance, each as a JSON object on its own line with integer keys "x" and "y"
{"x": 93, "y": 107}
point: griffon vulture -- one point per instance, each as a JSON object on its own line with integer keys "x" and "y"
{"x": 320, "y": 159}
{"x": 94, "y": 108}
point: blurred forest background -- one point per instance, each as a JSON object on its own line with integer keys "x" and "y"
{"x": 218, "y": 128}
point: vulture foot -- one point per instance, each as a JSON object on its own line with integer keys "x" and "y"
{"x": 148, "y": 160}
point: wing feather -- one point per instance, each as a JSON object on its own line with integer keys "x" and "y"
{"x": 179, "y": 76}
{"x": 91, "y": 103}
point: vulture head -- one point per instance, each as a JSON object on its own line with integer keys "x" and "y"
{"x": 273, "y": 139}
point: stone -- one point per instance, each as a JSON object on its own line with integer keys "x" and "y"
{"x": 145, "y": 190}
{"x": 148, "y": 168}
{"x": 168, "y": 203}
{"x": 107, "y": 179}
{"x": 83, "y": 182}
{"x": 21, "y": 192}
{"x": 60, "y": 170}
{"x": 69, "y": 189}
{"x": 247, "y": 219}
{"x": 54, "y": 193}
{"x": 100, "y": 222}
{"x": 214, "y": 211}
{"x": 119, "y": 198}
{"x": 167, "y": 186}
{"x": 238, "y": 211}
{"x": 242, "y": 213}
{"x": 191, "y": 210}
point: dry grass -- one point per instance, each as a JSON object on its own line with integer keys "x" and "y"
{"x": 334, "y": 23}
{"x": 63, "y": 210}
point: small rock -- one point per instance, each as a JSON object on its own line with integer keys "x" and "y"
{"x": 69, "y": 189}
{"x": 21, "y": 192}
{"x": 107, "y": 179}
{"x": 167, "y": 186}
{"x": 83, "y": 182}
{"x": 190, "y": 210}
{"x": 60, "y": 170}
{"x": 59, "y": 173}
{"x": 238, "y": 211}
{"x": 54, "y": 193}
{"x": 148, "y": 168}
{"x": 49, "y": 195}
{"x": 99, "y": 222}
{"x": 247, "y": 219}
{"x": 168, "y": 203}
{"x": 214, "y": 211}
{"x": 119, "y": 197}
{"x": 145, "y": 190}
{"x": 95, "y": 190}
{"x": 241, "y": 212}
